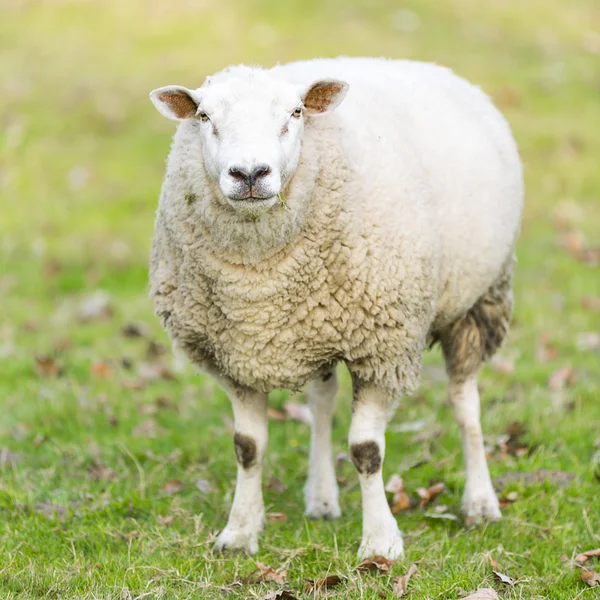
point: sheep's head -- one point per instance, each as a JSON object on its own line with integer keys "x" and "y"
{"x": 250, "y": 126}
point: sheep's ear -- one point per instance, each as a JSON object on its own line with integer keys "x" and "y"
{"x": 323, "y": 96}
{"x": 174, "y": 102}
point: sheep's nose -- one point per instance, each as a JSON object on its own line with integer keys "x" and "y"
{"x": 249, "y": 177}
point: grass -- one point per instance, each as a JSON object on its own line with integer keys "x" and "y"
{"x": 98, "y": 469}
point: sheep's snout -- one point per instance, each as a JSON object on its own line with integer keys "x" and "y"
{"x": 250, "y": 178}
{"x": 255, "y": 185}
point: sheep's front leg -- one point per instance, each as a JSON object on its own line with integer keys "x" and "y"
{"x": 247, "y": 516}
{"x": 321, "y": 490}
{"x": 371, "y": 410}
{"x": 479, "y": 499}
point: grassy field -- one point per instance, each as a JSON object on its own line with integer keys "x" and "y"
{"x": 116, "y": 474}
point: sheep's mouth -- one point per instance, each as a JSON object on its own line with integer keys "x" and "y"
{"x": 249, "y": 198}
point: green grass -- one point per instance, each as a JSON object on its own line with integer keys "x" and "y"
{"x": 83, "y": 508}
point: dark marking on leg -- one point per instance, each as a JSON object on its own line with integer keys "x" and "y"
{"x": 366, "y": 457}
{"x": 327, "y": 376}
{"x": 245, "y": 450}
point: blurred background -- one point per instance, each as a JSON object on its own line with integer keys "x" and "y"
{"x": 84, "y": 365}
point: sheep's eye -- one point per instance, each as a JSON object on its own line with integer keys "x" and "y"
{"x": 203, "y": 116}
{"x": 297, "y": 113}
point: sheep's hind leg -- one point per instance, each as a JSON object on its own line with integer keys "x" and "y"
{"x": 321, "y": 490}
{"x": 371, "y": 410}
{"x": 247, "y": 516}
{"x": 466, "y": 344}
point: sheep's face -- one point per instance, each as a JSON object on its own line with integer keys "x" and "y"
{"x": 251, "y": 130}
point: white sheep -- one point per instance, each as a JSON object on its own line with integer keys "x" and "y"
{"x": 291, "y": 236}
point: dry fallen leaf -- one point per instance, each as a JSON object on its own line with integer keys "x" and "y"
{"x": 395, "y": 484}
{"x": 584, "y": 556}
{"x": 330, "y": 581}
{"x": 268, "y": 573}
{"x": 101, "y": 369}
{"x": 98, "y": 471}
{"x": 275, "y": 414}
{"x": 561, "y": 378}
{"x": 135, "y": 330}
{"x": 591, "y": 303}
{"x": 401, "y": 583}
{"x": 377, "y": 563}
{"x": 46, "y": 366}
{"x": 503, "y": 578}
{"x": 430, "y": 494}
{"x": 546, "y": 352}
{"x": 508, "y": 499}
{"x": 483, "y": 594}
{"x": 276, "y": 485}
{"x": 592, "y": 578}
{"x": 298, "y": 412}
{"x": 172, "y": 487}
{"x": 277, "y": 517}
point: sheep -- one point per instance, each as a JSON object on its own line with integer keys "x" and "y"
{"x": 332, "y": 211}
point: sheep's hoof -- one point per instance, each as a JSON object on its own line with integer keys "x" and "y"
{"x": 317, "y": 508}
{"x": 481, "y": 503}
{"x": 390, "y": 547}
{"x": 231, "y": 540}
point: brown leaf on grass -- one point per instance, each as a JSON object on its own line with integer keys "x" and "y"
{"x": 504, "y": 578}
{"x": 575, "y": 244}
{"x": 276, "y": 485}
{"x": 275, "y": 414}
{"x": 401, "y": 583}
{"x": 430, "y": 494}
{"x": 100, "y": 472}
{"x": 46, "y": 366}
{"x": 592, "y": 578}
{"x": 298, "y": 412}
{"x": 268, "y": 573}
{"x": 280, "y": 595}
{"x": 172, "y": 487}
{"x": 276, "y": 517}
{"x": 314, "y": 585}
{"x": 508, "y": 499}
{"x": 591, "y": 303}
{"x": 506, "y": 96}
{"x": 377, "y": 563}
{"x": 584, "y": 556}
{"x": 146, "y": 428}
{"x": 483, "y": 594}
{"x": 101, "y": 369}
{"x": 205, "y": 486}
{"x": 401, "y": 500}
{"x": 561, "y": 378}
{"x": 95, "y": 306}
{"x": 132, "y": 535}
{"x": 511, "y": 443}
{"x": 151, "y": 372}
{"x": 135, "y": 330}
{"x": 545, "y": 351}
{"x": 560, "y": 478}
{"x": 154, "y": 350}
